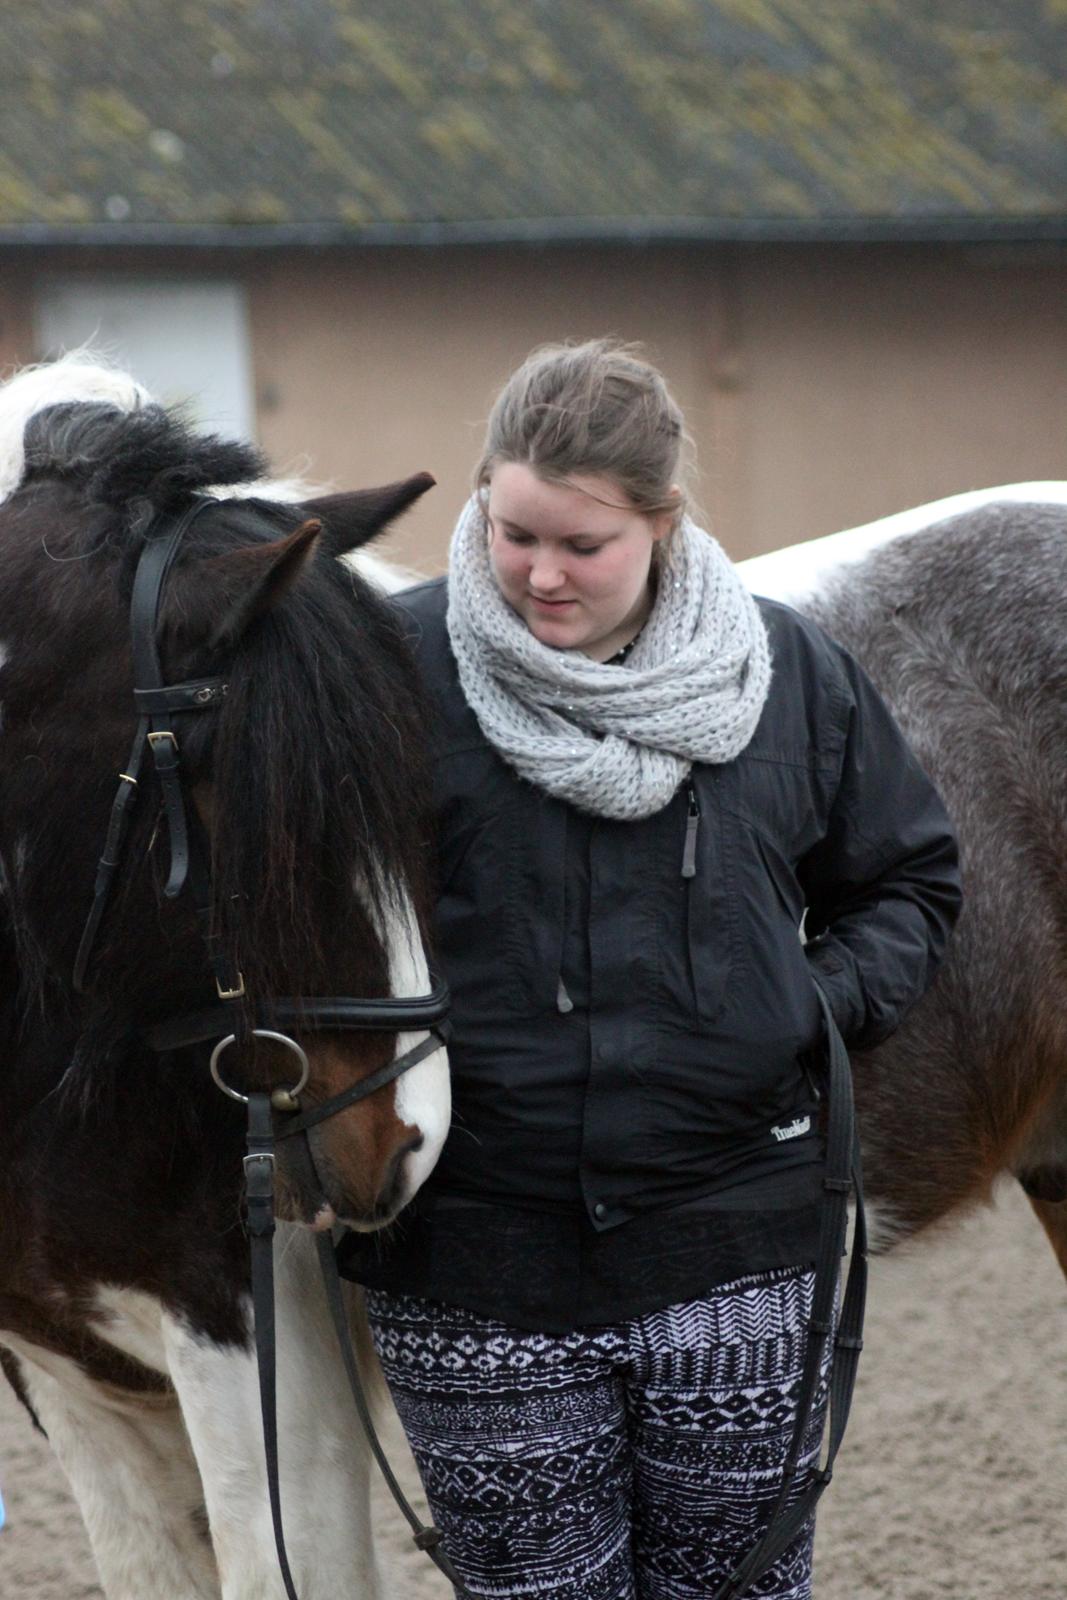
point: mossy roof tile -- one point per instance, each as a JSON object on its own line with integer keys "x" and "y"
{"x": 551, "y": 115}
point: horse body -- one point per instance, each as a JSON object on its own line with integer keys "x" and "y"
{"x": 124, "y": 1307}
{"x": 956, "y": 610}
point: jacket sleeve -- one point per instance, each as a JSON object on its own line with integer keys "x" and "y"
{"x": 882, "y": 885}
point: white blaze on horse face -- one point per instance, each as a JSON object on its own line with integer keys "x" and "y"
{"x": 76, "y": 378}
{"x": 324, "y": 1465}
{"x": 423, "y": 1093}
{"x": 132, "y": 1472}
{"x": 798, "y": 572}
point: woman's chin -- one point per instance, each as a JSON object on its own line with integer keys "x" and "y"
{"x": 557, "y": 635}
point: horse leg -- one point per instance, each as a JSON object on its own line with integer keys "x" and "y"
{"x": 132, "y": 1474}
{"x": 323, "y": 1466}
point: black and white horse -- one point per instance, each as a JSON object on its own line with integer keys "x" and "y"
{"x": 123, "y": 1285}
{"x": 958, "y": 610}
{"x": 124, "y": 1308}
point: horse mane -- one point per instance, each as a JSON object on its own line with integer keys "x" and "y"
{"x": 315, "y": 755}
{"x": 117, "y": 457}
{"x": 308, "y": 804}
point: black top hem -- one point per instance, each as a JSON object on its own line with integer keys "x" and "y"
{"x": 552, "y": 1271}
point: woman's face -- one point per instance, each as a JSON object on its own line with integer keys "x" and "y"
{"x": 576, "y": 569}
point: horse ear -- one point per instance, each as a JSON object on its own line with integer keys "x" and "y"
{"x": 218, "y": 598}
{"x": 351, "y": 520}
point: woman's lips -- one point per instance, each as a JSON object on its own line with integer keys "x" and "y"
{"x": 550, "y": 605}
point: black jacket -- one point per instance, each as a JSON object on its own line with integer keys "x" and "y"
{"x": 633, "y": 1007}
{"x": 689, "y": 1062}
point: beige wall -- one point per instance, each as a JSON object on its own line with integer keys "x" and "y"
{"x": 393, "y": 361}
{"x": 824, "y": 385}
{"x": 877, "y": 379}
{"x": 16, "y": 333}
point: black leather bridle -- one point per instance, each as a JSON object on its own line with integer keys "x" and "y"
{"x": 235, "y": 1016}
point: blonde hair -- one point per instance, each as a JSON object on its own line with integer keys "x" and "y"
{"x": 595, "y": 408}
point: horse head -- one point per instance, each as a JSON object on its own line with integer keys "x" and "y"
{"x": 305, "y": 781}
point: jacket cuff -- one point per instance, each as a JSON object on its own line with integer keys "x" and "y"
{"x": 834, "y": 971}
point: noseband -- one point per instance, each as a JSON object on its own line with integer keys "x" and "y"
{"x": 236, "y": 1017}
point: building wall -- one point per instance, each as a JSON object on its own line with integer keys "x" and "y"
{"x": 397, "y": 355}
{"x": 876, "y": 379}
{"x": 824, "y": 386}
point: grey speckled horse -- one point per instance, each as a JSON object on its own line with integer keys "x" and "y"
{"x": 959, "y": 612}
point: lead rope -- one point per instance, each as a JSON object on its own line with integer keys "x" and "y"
{"x": 424, "y": 1537}
{"x": 842, "y": 1175}
{"x": 259, "y": 1196}
{"x": 259, "y": 1165}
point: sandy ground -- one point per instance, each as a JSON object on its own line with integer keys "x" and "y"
{"x": 952, "y": 1481}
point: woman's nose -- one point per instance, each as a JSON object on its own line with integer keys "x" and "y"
{"x": 545, "y": 573}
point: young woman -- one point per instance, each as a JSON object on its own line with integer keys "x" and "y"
{"x": 593, "y": 1318}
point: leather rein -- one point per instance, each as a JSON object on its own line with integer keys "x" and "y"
{"x": 236, "y": 1018}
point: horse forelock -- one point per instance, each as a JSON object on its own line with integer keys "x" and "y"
{"x": 317, "y": 783}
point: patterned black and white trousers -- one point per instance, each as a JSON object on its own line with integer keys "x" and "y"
{"x": 629, "y": 1461}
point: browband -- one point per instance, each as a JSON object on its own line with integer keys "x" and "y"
{"x": 391, "y": 1014}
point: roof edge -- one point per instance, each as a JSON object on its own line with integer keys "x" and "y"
{"x": 539, "y": 232}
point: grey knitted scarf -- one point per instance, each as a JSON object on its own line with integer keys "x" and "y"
{"x": 613, "y": 740}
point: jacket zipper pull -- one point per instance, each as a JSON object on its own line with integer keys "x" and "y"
{"x": 564, "y": 1002}
{"x": 692, "y": 823}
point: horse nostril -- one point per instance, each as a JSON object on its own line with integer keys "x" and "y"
{"x": 392, "y": 1184}
{"x": 406, "y": 1150}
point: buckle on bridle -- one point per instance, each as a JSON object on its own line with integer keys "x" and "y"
{"x": 232, "y": 994}
{"x": 251, "y": 1170}
{"x": 154, "y": 738}
{"x": 259, "y": 1192}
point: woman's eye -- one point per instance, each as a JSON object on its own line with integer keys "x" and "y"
{"x": 517, "y": 538}
{"x": 586, "y": 549}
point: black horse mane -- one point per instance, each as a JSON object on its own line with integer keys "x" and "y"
{"x": 314, "y": 757}
{"x": 317, "y": 769}
{"x": 115, "y": 456}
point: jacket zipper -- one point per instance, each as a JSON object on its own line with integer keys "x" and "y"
{"x": 692, "y": 823}
{"x": 564, "y": 1003}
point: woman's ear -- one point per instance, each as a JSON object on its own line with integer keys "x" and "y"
{"x": 664, "y": 522}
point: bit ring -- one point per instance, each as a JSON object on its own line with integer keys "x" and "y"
{"x": 286, "y": 1097}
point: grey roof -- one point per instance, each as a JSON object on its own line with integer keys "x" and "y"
{"x": 357, "y": 120}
